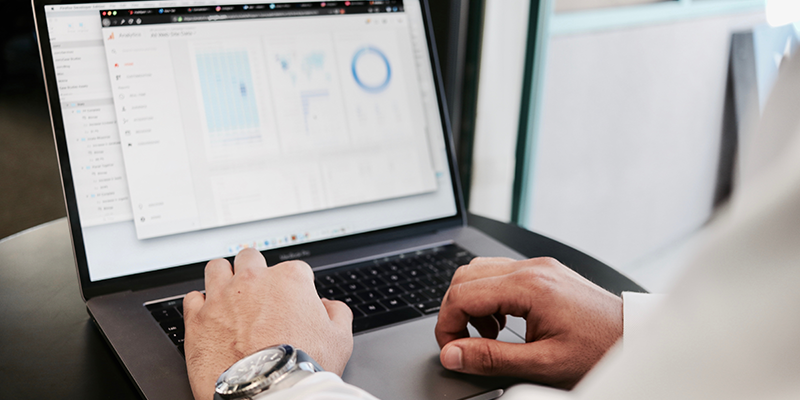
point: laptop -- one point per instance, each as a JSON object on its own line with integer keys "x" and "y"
{"x": 190, "y": 130}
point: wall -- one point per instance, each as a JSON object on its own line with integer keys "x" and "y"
{"x": 499, "y": 95}
{"x": 627, "y": 148}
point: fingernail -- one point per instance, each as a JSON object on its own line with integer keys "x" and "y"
{"x": 452, "y": 358}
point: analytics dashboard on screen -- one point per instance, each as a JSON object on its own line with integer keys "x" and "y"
{"x": 196, "y": 131}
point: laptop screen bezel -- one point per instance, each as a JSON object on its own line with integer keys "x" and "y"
{"x": 176, "y": 274}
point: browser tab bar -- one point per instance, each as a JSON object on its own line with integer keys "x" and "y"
{"x": 165, "y": 13}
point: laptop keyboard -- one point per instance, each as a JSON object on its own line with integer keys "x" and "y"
{"x": 169, "y": 314}
{"x": 380, "y": 292}
{"x": 393, "y": 289}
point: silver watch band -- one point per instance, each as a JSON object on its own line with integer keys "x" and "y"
{"x": 304, "y": 359}
{"x": 304, "y": 362}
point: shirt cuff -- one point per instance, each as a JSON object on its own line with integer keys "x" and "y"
{"x": 320, "y": 386}
{"x": 635, "y": 309}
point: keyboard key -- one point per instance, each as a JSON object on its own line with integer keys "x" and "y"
{"x": 372, "y": 271}
{"x": 405, "y": 276}
{"x": 414, "y": 273}
{"x": 356, "y": 312}
{"x": 429, "y": 281}
{"x": 175, "y": 325}
{"x": 411, "y": 286}
{"x": 393, "y": 303}
{"x": 166, "y": 314}
{"x": 176, "y": 337}
{"x": 329, "y": 280}
{"x": 369, "y": 295}
{"x": 350, "y": 275}
{"x": 392, "y": 268}
{"x": 387, "y": 318}
{"x": 393, "y": 278}
{"x": 434, "y": 293}
{"x": 351, "y": 287}
{"x": 349, "y": 299}
{"x": 428, "y": 269}
{"x": 165, "y": 304}
{"x": 447, "y": 276}
{"x": 331, "y": 292}
{"x": 373, "y": 282}
{"x": 371, "y": 308}
{"x": 173, "y": 303}
{"x": 440, "y": 266}
{"x": 390, "y": 291}
{"x": 429, "y": 307}
{"x": 412, "y": 298}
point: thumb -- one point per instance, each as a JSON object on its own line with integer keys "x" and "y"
{"x": 481, "y": 356}
{"x": 339, "y": 312}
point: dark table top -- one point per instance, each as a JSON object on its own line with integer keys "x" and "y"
{"x": 49, "y": 348}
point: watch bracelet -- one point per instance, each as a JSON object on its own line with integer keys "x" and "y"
{"x": 300, "y": 357}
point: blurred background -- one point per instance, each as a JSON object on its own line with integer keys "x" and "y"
{"x": 615, "y": 126}
{"x": 30, "y": 187}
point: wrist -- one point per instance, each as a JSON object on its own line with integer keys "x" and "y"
{"x": 265, "y": 371}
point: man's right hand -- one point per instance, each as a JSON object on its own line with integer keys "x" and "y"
{"x": 571, "y": 322}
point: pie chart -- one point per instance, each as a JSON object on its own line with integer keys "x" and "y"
{"x": 371, "y": 69}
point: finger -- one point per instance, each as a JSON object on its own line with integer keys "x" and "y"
{"x": 484, "y": 267}
{"x": 248, "y": 258}
{"x": 296, "y": 271}
{"x": 488, "y": 327}
{"x": 192, "y": 303}
{"x": 217, "y": 273}
{"x": 339, "y": 313}
{"x": 480, "y": 298}
{"x": 481, "y": 356}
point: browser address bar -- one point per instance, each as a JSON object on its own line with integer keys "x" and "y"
{"x": 250, "y": 15}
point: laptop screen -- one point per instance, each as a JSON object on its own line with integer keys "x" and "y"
{"x": 196, "y": 129}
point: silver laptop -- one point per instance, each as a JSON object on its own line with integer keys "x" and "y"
{"x": 189, "y": 130}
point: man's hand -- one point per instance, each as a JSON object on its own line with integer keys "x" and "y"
{"x": 250, "y": 307}
{"x": 571, "y": 322}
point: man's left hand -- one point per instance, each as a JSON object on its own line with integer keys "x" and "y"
{"x": 248, "y": 307}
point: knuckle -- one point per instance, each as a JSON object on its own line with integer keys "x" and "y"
{"x": 477, "y": 260}
{"x": 548, "y": 262}
{"x": 248, "y": 274}
{"x": 461, "y": 273}
{"x": 296, "y": 269}
{"x": 537, "y": 279}
{"x": 487, "y": 360}
{"x": 302, "y": 269}
{"x": 454, "y": 294}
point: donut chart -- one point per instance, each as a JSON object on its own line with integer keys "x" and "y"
{"x": 371, "y": 69}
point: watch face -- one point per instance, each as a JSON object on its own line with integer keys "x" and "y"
{"x": 249, "y": 369}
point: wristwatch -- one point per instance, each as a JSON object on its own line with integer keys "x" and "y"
{"x": 264, "y": 372}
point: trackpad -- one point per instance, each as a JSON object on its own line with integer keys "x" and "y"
{"x": 402, "y": 362}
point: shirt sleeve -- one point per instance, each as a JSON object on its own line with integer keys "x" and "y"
{"x": 320, "y": 386}
{"x": 635, "y": 309}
